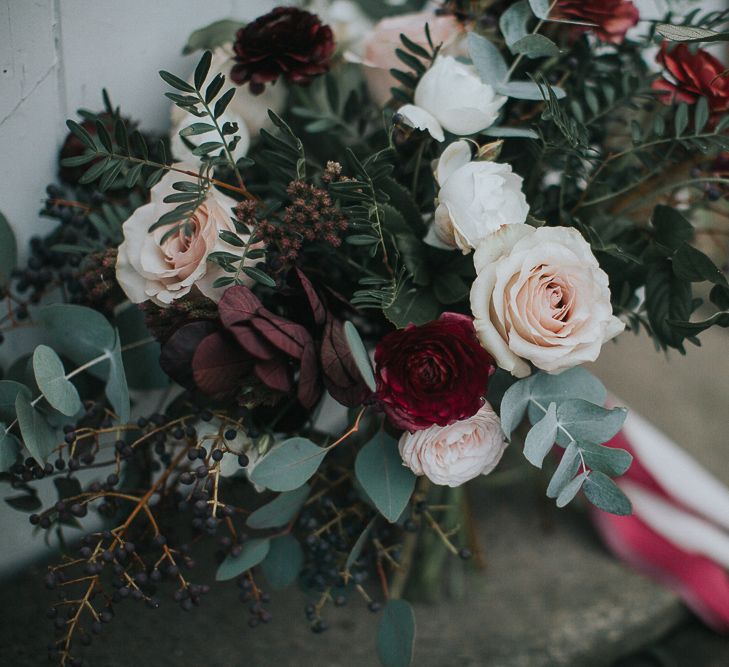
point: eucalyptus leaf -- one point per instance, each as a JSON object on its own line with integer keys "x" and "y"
{"x": 79, "y": 333}
{"x": 39, "y": 437}
{"x": 359, "y": 354}
{"x": 386, "y": 481}
{"x": 513, "y": 22}
{"x": 280, "y": 511}
{"x": 9, "y": 390}
{"x": 571, "y": 489}
{"x": 396, "y": 634}
{"x": 535, "y": 46}
{"x": 356, "y": 550}
{"x": 612, "y": 461}
{"x": 511, "y": 132}
{"x": 288, "y": 465}
{"x": 284, "y": 561}
{"x": 252, "y": 553}
{"x": 117, "y": 390}
{"x": 541, "y": 437}
{"x": 586, "y": 421}
{"x": 602, "y": 492}
{"x": 527, "y": 90}
{"x": 573, "y": 383}
{"x": 514, "y": 404}
{"x": 51, "y": 379}
{"x": 567, "y": 468}
{"x": 9, "y": 448}
{"x": 687, "y": 33}
{"x": 487, "y": 59}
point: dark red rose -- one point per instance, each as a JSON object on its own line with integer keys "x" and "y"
{"x": 612, "y": 18}
{"x": 436, "y": 373}
{"x": 287, "y": 42}
{"x": 688, "y": 76}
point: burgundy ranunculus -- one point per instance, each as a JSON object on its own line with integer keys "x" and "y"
{"x": 287, "y": 42}
{"x": 688, "y": 76}
{"x": 612, "y": 18}
{"x": 436, "y": 373}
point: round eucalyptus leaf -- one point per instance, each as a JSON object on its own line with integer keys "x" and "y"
{"x": 51, "y": 378}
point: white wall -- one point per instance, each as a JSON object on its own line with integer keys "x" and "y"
{"x": 57, "y": 55}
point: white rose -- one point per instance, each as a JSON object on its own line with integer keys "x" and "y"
{"x": 148, "y": 268}
{"x": 451, "y": 96}
{"x": 541, "y": 296}
{"x": 378, "y": 55}
{"x": 475, "y": 199}
{"x": 451, "y": 455}
{"x": 249, "y": 111}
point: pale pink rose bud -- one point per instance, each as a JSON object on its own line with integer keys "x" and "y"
{"x": 451, "y": 455}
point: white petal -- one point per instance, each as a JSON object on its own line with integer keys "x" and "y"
{"x": 422, "y": 120}
{"x": 677, "y": 472}
{"x": 455, "y": 156}
{"x": 686, "y": 531}
{"x": 499, "y": 243}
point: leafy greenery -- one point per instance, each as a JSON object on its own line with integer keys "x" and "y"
{"x": 560, "y": 413}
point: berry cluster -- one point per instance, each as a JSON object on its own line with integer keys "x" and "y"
{"x": 310, "y": 217}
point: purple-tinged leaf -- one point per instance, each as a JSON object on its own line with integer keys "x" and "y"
{"x": 219, "y": 364}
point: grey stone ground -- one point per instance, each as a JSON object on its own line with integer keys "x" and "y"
{"x": 550, "y": 596}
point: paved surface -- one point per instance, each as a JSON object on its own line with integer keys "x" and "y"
{"x": 550, "y": 596}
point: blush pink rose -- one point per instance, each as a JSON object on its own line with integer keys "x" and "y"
{"x": 379, "y": 46}
{"x": 540, "y": 296}
{"x": 152, "y": 269}
{"x": 451, "y": 455}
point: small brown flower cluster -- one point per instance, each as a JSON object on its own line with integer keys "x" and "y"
{"x": 97, "y": 277}
{"x": 311, "y": 216}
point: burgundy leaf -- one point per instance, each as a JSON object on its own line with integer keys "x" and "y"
{"x": 309, "y": 390}
{"x": 238, "y": 304}
{"x": 341, "y": 376}
{"x": 317, "y": 308}
{"x": 253, "y": 342}
{"x": 219, "y": 364}
{"x": 274, "y": 374}
{"x": 287, "y": 336}
{"x": 178, "y": 351}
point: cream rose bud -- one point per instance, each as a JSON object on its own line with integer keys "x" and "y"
{"x": 451, "y": 455}
{"x": 451, "y": 96}
{"x": 184, "y": 153}
{"x": 540, "y": 296}
{"x": 149, "y": 268}
{"x": 475, "y": 199}
{"x": 248, "y": 110}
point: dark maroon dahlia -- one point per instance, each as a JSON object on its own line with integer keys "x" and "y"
{"x": 287, "y": 42}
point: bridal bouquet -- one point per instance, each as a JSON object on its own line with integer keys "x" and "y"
{"x": 375, "y": 250}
